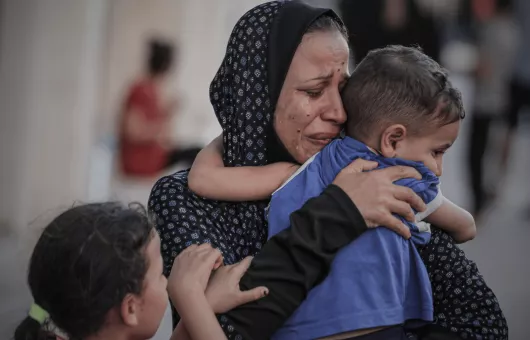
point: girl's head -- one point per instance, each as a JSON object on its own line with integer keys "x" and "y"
{"x": 97, "y": 269}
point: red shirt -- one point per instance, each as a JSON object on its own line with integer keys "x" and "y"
{"x": 142, "y": 158}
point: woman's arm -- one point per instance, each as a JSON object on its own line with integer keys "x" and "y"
{"x": 454, "y": 220}
{"x": 209, "y": 177}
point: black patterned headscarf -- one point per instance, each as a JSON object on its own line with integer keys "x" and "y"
{"x": 246, "y": 88}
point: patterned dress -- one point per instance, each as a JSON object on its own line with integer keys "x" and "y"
{"x": 240, "y": 97}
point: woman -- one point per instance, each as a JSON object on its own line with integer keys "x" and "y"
{"x": 270, "y": 113}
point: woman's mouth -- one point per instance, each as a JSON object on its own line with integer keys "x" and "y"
{"x": 320, "y": 141}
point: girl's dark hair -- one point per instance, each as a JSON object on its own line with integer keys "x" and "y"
{"x": 84, "y": 264}
{"x": 160, "y": 57}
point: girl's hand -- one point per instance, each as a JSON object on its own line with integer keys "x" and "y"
{"x": 223, "y": 293}
{"x": 191, "y": 271}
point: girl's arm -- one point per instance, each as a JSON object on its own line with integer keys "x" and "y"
{"x": 209, "y": 177}
{"x": 186, "y": 287}
{"x": 196, "y": 306}
{"x": 456, "y": 221}
{"x": 201, "y": 322}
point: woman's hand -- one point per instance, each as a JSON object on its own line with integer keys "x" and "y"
{"x": 192, "y": 270}
{"x": 223, "y": 291}
{"x": 377, "y": 197}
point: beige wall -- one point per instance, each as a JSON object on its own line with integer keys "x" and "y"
{"x": 49, "y": 79}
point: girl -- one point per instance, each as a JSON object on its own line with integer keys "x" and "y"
{"x": 96, "y": 273}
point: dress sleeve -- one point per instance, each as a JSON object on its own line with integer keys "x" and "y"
{"x": 294, "y": 261}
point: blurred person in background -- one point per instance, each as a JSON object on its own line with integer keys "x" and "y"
{"x": 378, "y": 23}
{"x": 520, "y": 83}
{"x": 145, "y": 126}
{"x": 497, "y": 48}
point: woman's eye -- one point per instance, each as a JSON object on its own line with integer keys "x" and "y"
{"x": 438, "y": 153}
{"x": 313, "y": 94}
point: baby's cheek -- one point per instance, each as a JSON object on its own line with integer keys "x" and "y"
{"x": 431, "y": 164}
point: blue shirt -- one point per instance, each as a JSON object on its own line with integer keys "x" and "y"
{"x": 377, "y": 280}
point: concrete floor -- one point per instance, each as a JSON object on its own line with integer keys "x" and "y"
{"x": 501, "y": 248}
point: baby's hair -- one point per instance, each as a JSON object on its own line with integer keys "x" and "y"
{"x": 399, "y": 85}
{"x": 84, "y": 264}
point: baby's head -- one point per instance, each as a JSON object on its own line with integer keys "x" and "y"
{"x": 96, "y": 270}
{"x": 400, "y": 102}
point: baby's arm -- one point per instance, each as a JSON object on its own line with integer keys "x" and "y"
{"x": 210, "y": 178}
{"x": 456, "y": 221}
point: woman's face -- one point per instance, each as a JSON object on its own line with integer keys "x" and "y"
{"x": 309, "y": 111}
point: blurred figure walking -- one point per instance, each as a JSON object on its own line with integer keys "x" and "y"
{"x": 497, "y": 41}
{"x": 378, "y": 23}
{"x": 520, "y": 84}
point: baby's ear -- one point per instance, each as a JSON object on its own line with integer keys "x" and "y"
{"x": 390, "y": 138}
{"x": 130, "y": 310}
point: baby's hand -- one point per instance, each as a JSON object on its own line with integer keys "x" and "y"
{"x": 223, "y": 293}
{"x": 191, "y": 271}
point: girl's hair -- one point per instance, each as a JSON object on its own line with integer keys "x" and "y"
{"x": 84, "y": 264}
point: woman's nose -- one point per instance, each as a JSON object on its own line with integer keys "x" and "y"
{"x": 335, "y": 111}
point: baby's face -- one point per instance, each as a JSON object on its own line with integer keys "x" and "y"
{"x": 430, "y": 148}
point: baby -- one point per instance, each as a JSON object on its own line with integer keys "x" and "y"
{"x": 402, "y": 110}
